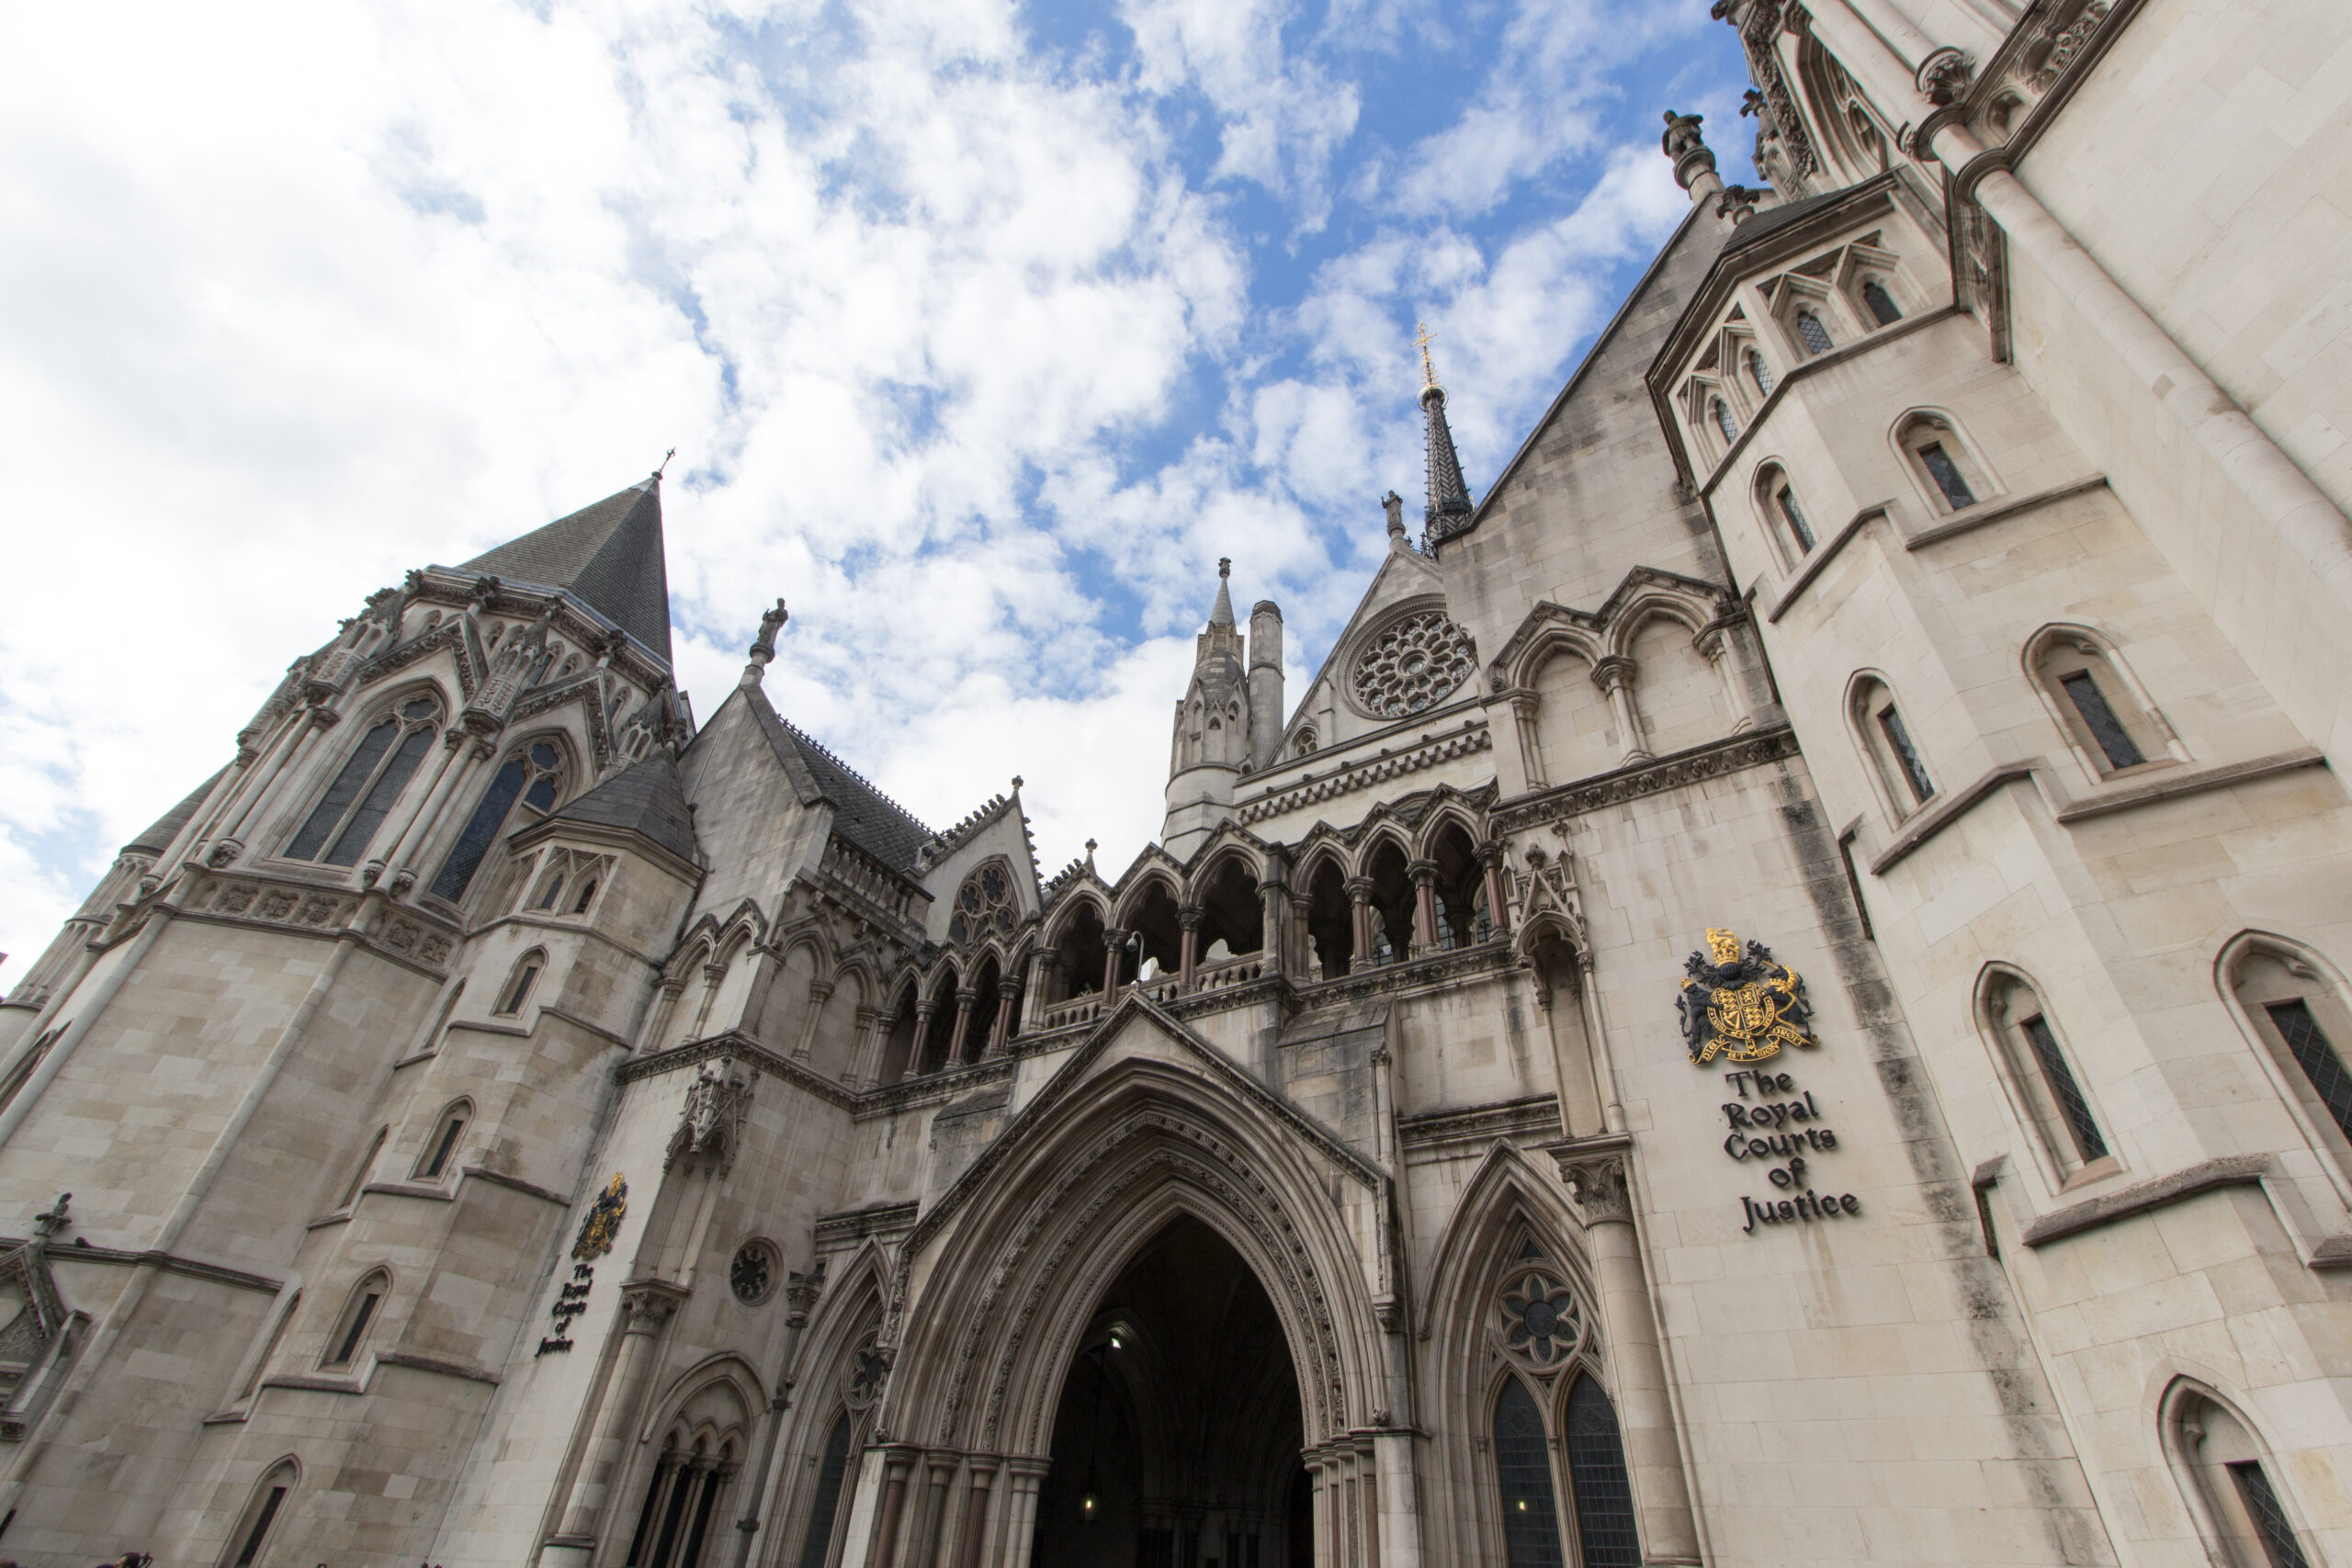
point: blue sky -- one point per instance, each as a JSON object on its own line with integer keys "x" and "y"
{"x": 982, "y": 332}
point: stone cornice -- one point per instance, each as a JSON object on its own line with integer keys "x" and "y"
{"x": 743, "y": 1048}
{"x": 170, "y": 1263}
{"x": 875, "y": 1219}
{"x": 1472, "y": 737}
{"x": 1714, "y": 760}
{"x": 1532, "y": 1115}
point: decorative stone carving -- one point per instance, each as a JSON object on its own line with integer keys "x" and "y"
{"x": 1412, "y": 664}
{"x": 1945, "y": 75}
{"x": 1540, "y": 1321}
{"x": 1599, "y": 1183}
{"x": 602, "y": 1225}
{"x": 712, "y": 1119}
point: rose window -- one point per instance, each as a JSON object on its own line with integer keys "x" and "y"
{"x": 1412, "y": 664}
{"x": 1541, "y": 1320}
{"x": 984, "y": 904}
{"x": 753, "y": 1270}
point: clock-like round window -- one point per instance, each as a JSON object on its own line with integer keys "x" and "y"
{"x": 1410, "y": 664}
{"x": 752, "y": 1274}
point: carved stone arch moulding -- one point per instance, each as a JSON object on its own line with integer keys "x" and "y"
{"x": 1041, "y": 1280}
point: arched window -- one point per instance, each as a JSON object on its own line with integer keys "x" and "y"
{"x": 448, "y": 1128}
{"x": 673, "y": 1526}
{"x": 1784, "y": 518}
{"x": 1882, "y": 304}
{"x": 518, "y": 987}
{"x": 350, "y": 1334}
{"x": 2095, "y": 701}
{"x": 2051, "y": 1099}
{"x": 1953, "y": 477}
{"x": 1759, "y": 373}
{"x": 1523, "y": 1474}
{"x": 551, "y": 892}
{"x": 533, "y": 778}
{"x": 587, "y": 897}
{"x": 1812, "y": 333}
{"x": 1604, "y": 1497}
{"x": 254, "y": 1526}
{"x": 817, "y": 1544}
{"x": 360, "y": 1172}
{"x": 2299, "y": 1016}
{"x": 364, "y": 793}
{"x": 1725, "y": 423}
{"x": 2240, "y": 1506}
{"x": 1888, "y": 740}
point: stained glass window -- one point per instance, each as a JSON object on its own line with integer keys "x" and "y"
{"x": 2315, "y": 1053}
{"x": 1787, "y": 501}
{"x": 2100, "y": 717}
{"x": 1906, "y": 756}
{"x": 536, "y": 777}
{"x": 2278, "y": 1542}
{"x": 1947, "y": 475}
{"x": 1724, "y": 421}
{"x": 818, "y": 1544}
{"x": 2064, "y": 1088}
{"x": 1523, "y": 1470}
{"x": 1881, "y": 302}
{"x": 1604, "y": 1498}
{"x": 364, "y": 793}
{"x": 1812, "y": 333}
{"x": 1759, "y": 373}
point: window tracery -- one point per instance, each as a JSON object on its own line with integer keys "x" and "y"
{"x": 533, "y": 776}
{"x": 364, "y": 791}
{"x": 985, "y": 906}
{"x": 1541, "y": 1324}
{"x": 1413, "y": 664}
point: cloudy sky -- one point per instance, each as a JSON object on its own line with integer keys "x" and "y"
{"x": 981, "y": 329}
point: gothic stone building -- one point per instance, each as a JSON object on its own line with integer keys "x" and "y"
{"x": 1781, "y": 995}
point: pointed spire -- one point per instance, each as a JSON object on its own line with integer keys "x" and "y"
{"x": 608, "y": 556}
{"x": 1449, "y": 508}
{"x": 1221, "y": 612}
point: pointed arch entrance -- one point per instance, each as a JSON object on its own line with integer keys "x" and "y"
{"x": 1178, "y": 1434}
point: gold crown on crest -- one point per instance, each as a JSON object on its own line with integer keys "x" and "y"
{"x": 1723, "y": 944}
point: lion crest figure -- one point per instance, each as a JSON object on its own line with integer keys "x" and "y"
{"x": 1741, "y": 1003}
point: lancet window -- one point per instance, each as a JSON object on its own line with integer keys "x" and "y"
{"x": 528, "y": 784}
{"x": 985, "y": 906}
{"x": 339, "y": 827}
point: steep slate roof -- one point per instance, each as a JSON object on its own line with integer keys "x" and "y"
{"x": 1773, "y": 219}
{"x": 164, "y": 828}
{"x": 608, "y": 555}
{"x": 862, "y": 814}
{"x": 647, "y": 799}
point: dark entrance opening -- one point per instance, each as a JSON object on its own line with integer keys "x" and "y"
{"x": 1176, "y": 1444}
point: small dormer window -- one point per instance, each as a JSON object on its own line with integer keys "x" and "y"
{"x": 1881, "y": 303}
{"x": 1725, "y": 422}
{"x": 1947, "y": 475}
{"x": 1784, "y": 499}
{"x": 1812, "y": 333}
{"x": 1759, "y": 373}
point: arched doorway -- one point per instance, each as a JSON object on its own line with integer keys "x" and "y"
{"x": 1176, "y": 1438}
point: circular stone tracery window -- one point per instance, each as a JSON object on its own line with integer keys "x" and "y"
{"x": 1541, "y": 1320}
{"x": 1412, "y": 663}
{"x": 753, "y": 1273}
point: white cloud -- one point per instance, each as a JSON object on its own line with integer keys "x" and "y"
{"x": 956, "y": 337}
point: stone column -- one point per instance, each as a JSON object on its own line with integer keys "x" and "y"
{"x": 965, "y": 996}
{"x": 255, "y": 815}
{"x": 1023, "y": 1478}
{"x": 649, "y": 1305}
{"x": 973, "y": 1551}
{"x": 865, "y": 1066}
{"x": 1424, "y": 875}
{"x": 1645, "y": 1413}
{"x": 1614, "y": 676}
{"x": 1045, "y": 986}
{"x": 1188, "y": 962}
{"x": 1114, "y": 942}
{"x": 820, "y": 992}
{"x": 1715, "y": 645}
{"x": 1007, "y": 998}
{"x": 939, "y": 1474}
{"x": 897, "y": 1460}
{"x": 1360, "y": 907}
{"x": 414, "y": 827}
{"x": 925, "y": 1010}
{"x": 1491, "y": 859}
{"x": 658, "y": 1016}
{"x": 800, "y": 1294}
{"x": 1273, "y": 918}
{"x": 1524, "y": 705}
{"x": 1319, "y": 1476}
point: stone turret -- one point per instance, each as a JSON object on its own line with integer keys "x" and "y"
{"x": 1212, "y": 745}
{"x": 1265, "y": 683}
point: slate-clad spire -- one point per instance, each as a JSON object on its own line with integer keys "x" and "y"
{"x": 609, "y": 556}
{"x": 1449, "y": 508}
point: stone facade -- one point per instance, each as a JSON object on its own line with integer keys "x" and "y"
{"x": 1780, "y": 996}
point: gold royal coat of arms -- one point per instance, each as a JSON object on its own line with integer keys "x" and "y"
{"x": 1741, "y": 1003}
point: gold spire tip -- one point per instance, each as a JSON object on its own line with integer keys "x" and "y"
{"x": 1421, "y": 340}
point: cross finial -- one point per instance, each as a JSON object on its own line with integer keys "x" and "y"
{"x": 665, "y": 462}
{"x": 1421, "y": 340}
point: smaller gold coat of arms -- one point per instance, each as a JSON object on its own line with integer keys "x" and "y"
{"x": 1740, "y": 1003}
{"x": 602, "y": 1226}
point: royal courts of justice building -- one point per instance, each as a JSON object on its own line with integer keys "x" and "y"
{"x": 1783, "y": 996}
